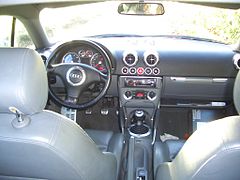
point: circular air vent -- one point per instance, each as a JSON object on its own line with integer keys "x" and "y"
{"x": 236, "y": 61}
{"x": 130, "y": 58}
{"x": 151, "y": 58}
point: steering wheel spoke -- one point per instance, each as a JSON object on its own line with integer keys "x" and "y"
{"x": 74, "y": 92}
{"x": 57, "y": 69}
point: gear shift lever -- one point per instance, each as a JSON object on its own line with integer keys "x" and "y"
{"x": 139, "y": 117}
{"x": 138, "y": 128}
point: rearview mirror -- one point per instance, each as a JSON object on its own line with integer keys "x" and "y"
{"x": 141, "y": 8}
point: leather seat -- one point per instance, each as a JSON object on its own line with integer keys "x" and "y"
{"x": 41, "y": 144}
{"x": 212, "y": 152}
{"x": 107, "y": 141}
{"x": 166, "y": 151}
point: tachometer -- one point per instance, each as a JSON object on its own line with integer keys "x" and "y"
{"x": 98, "y": 62}
{"x": 71, "y": 57}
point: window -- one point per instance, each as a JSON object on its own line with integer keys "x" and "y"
{"x": 20, "y": 38}
{"x": 180, "y": 19}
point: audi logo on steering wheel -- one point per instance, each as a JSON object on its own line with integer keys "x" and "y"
{"x": 76, "y": 76}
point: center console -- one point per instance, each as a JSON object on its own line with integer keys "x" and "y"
{"x": 139, "y": 103}
{"x": 139, "y": 99}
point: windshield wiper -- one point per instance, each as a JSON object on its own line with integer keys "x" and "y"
{"x": 114, "y": 35}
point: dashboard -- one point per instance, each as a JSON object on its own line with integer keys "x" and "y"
{"x": 192, "y": 72}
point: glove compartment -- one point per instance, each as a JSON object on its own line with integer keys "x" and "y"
{"x": 198, "y": 88}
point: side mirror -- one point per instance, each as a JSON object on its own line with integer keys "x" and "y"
{"x": 141, "y": 8}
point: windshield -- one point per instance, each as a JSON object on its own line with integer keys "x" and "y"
{"x": 102, "y": 19}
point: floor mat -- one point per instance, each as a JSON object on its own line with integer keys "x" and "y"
{"x": 182, "y": 122}
{"x": 96, "y": 120}
{"x": 175, "y": 121}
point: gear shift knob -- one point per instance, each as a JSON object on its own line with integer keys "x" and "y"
{"x": 139, "y": 113}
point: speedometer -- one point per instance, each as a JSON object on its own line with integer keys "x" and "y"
{"x": 71, "y": 57}
{"x": 98, "y": 62}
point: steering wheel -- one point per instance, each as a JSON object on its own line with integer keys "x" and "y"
{"x": 77, "y": 77}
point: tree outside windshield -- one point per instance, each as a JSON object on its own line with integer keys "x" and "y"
{"x": 179, "y": 19}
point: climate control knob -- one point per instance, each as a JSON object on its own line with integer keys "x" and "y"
{"x": 128, "y": 95}
{"x": 151, "y": 95}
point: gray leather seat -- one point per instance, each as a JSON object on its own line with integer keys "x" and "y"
{"x": 213, "y": 152}
{"x": 40, "y": 144}
{"x": 107, "y": 141}
{"x": 166, "y": 151}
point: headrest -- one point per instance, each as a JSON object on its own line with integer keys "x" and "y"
{"x": 23, "y": 81}
{"x": 236, "y": 93}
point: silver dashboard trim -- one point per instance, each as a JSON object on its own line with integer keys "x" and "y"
{"x": 196, "y": 79}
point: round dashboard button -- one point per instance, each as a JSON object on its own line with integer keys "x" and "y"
{"x": 132, "y": 70}
{"x": 124, "y": 70}
{"x": 148, "y": 71}
{"x": 156, "y": 71}
{"x": 140, "y": 70}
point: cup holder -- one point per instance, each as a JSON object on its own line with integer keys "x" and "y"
{"x": 142, "y": 130}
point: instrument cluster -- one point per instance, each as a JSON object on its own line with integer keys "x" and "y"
{"x": 85, "y": 55}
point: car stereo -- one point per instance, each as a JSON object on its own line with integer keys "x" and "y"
{"x": 140, "y": 82}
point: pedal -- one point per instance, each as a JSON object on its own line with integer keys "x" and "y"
{"x": 107, "y": 104}
{"x": 88, "y": 111}
{"x": 104, "y": 112}
{"x": 69, "y": 113}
